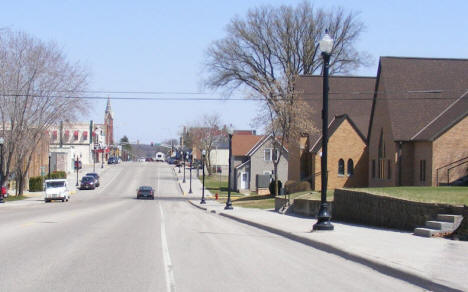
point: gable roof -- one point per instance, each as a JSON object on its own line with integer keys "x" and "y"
{"x": 348, "y": 95}
{"x": 260, "y": 144}
{"x": 241, "y": 144}
{"x": 423, "y": 95}
{"x": 332, "y": 127}
{"x": 445, "y": 120}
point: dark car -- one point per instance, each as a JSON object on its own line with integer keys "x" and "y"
{"x": 145, "y": 192}
{"x": 87, "y": 183}
{"x": 96, "y": 177}
{"x": 112, "y": 160}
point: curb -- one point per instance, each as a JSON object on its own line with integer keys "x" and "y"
{"x": 383, "y": 268}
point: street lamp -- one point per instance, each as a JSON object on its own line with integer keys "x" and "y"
{"x": 50, "y": 154}
{"x": 323, "y": 217}
{"x": 228, "y": 202}
{"x": 77, "y": 166}
{"x": 191, "y": 161}
{"x": 2, "y": 141}
{"x": 94, "y": 159}
{"x": 183, "y": 154}
{"x": 203, "y": 169}
{"x": 102, "y": 157}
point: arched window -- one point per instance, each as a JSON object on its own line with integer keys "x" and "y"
{"x": 341, "y": 167}
{"x": 350, "y": 167}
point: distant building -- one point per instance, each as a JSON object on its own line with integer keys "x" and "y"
{"x": 85, "y": 141}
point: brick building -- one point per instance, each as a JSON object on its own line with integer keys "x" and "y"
{"x": 350, "y": 101}
{"x": 418, "y": 133}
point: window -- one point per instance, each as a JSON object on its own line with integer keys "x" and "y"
{"x": 267, "y": 154}
{"x": 389, "y": 170}
{"x": 350, "y": 168}
{"x": 274, "y": 155}
{"x": 373, "y": 168}
{"x": 381, "y": 168}
{"x": 382, "y": 156}
{"x": 341, "y": 167}
{"x": 422, "y": 170}
{"x": 270, "y": 154}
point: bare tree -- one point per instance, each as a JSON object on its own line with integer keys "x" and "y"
{"x": 270, "y": 47}
{"x": 38, "y": 88}
{"x": 204, "y": 134}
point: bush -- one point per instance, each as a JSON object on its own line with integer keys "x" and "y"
{"x": 57, "y": 175}
{"x": 292, "y": 186}
{"x": 272, "y": 187}
{"x": 36, "y": 184}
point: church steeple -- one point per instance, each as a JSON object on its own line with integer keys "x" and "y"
{"x": 108, "y": 107}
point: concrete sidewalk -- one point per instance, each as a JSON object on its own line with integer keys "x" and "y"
{"x": 435, "y": 264}
{"x": 196, "y": 183}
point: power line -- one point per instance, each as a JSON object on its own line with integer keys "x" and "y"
{"x": 389, "y": 96}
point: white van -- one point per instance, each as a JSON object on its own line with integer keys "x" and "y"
{"x": 56, "y": 189}
{"x": 160, "y": 157}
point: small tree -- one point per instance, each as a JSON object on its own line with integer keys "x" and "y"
{"x": 205, "y": 134}
{"x": 38, "y": 88}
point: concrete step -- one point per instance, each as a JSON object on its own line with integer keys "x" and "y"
{"x": 449, "y": 218}
{"x": 440, "y": 225}
{"x": 425, "y": 232}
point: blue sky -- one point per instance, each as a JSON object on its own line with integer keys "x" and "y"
{"x": 160, "y": 46}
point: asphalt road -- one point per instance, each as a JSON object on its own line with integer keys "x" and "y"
{"x": 106, "y": 240}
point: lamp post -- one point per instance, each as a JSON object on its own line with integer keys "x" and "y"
{"x": 203, "y": 169}
{"x": 183, "y": 154}
{"x": 2, "y": 141}
{"x": 228, "y": 202}
{"x": 102, "y": 157}
{"x": 323, "y": 218}
{"x": 77, "y": 166}
{"x": 50, "y": 154}
{"x": 94, "y": 159}
{"x": 191, "y": 160}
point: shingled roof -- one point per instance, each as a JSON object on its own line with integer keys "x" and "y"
{"x": 424, "y": 96}
{"x": 348, "y": 95}
{"x": 241, "y": 144}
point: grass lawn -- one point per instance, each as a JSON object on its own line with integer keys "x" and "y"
{"x": 14, "y": 198}
{"x": 218, "y": 184}
{"x": 446, "y": 195}
{"x": 313, "y": 195}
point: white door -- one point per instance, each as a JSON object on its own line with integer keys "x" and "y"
{"x": 244, "y": 180}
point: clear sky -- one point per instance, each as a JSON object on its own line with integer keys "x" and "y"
{"x": 160, "y": 46}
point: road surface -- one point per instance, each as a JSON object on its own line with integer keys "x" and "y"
{"x": 106, "y": 240}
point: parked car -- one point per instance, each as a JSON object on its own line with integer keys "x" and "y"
{"x": 3, "y": 193}
{"x": 87, "y": 183}
{"x": 96, "y": 178}
{"x": 56, "y": 189}
{"x": 149, "y": 159}
{"x": 112, "y": 160}
{"x": 142, "y": 159}
{"x": 145, "y": 192}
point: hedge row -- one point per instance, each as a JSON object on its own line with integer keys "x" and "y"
{"x": 36, "y": 184}
{"x": 292, "y": 186}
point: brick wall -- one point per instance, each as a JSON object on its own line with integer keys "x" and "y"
{"x": 449, "y": 147}
{"x": 345, "y": 143}
{"x": 381, "y": 123}
{"x": 422, "y": 151}
{"x": 294, "y": 159}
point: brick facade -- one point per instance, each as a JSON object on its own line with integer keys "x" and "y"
{"x": 451, "y": 146}
{"x": 345, "y": 144}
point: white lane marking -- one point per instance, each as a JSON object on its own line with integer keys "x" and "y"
{"x": 157, "y": 190}
{"x": 170, "y": 282}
